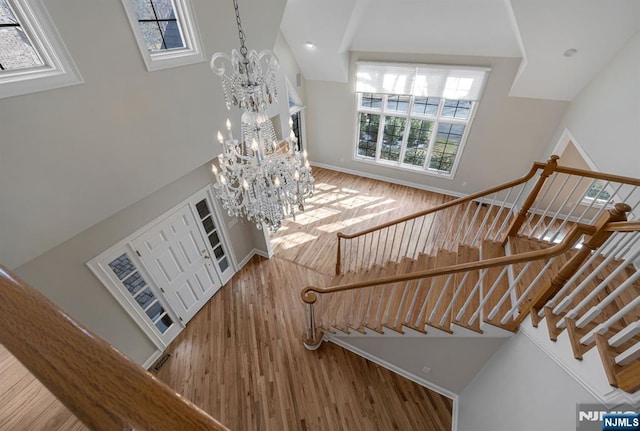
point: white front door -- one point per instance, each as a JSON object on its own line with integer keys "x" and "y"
{"x": 176, "y": 256}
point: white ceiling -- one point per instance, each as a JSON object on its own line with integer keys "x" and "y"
{"x": 538, "y": 31}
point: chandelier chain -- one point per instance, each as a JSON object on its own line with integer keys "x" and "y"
{"x": 243, "y": 48}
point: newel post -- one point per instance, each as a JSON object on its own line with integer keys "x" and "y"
{"x": 534, "y": 303}
{"x": 516, "y": 224}
{"x": 312, "y": 336}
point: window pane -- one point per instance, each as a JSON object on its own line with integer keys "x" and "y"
{"x": 223, "y": 264}
{"x": 597, "y": 191}
{"x": 370, "y": 100}
{"x": 145, "y": 298}
{"x": 218, "y": 252}
{"x": 16, "y": 51}
{"x": 171, "y": 34}
{"x": 164, "y": 323}
{"x": 456, "y": 109}
{"x": 134, "y": 283}
{"x": 203, "y": 208}
{"x": 214, "y": 240}
{"x": 152, "y": 36}
{"x": 398, "y": 103}
{"x": 392, "y": 138}
{"x": 208, "y": 224}
{"x": 122, "y": 266}
{"x": 144, "y": 9}
{"x": 6, "y": 15}
{"x": 446, "y": 146}
{"x": 368, "y": 135}
{"x": 418, "y": 142}
{"x": 426, "y": 105}
{"x": 155, "y": 311}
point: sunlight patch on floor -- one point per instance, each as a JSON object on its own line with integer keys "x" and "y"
{"x": 293, "y": 240}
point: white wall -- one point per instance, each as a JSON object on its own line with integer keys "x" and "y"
{"x": 520, "y": 388}
{"x": 61, "y": 273}
{"x": 453, "y": 361}
{"x": 605, "y": 116}
{"x": 507, "y": 136}
{"x": 73, "y": 156}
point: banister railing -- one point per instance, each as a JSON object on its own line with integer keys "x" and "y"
{"x": 558, "y": 198}
{"x": 101, "y": 386}
{"x": 435, "y": 226}
{"x": 375, "y": 305}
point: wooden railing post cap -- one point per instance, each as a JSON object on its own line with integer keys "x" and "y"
{"x": 620, "y": 209}
{"x": 554, "y": 158}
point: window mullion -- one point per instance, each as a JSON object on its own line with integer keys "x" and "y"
{"x": 381, "y": 125}
{"x": 405, "y": 135}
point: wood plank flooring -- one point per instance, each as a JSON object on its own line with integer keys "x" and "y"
{"x": 242, "y": 359}
{"x": 27, "y": 405}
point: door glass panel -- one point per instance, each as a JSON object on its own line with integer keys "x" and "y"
{"x": 126, "y": 271}
{"x": 206, "y": 218}
{"x": 164, "y": 323}
{"x": 224, "y": 264}
{"x": 155, "y": 310}
{"x": 213, "y": 239}
{"x": 218, "y": 252}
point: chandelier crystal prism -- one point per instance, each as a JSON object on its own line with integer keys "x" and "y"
{"x": 258, "y": 177}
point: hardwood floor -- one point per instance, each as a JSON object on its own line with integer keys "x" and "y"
{"x": 241, "y": 357}
{"x": 242, "y": 360}
{"x": 27, "y": 405}
{"x": 347, "y": 203}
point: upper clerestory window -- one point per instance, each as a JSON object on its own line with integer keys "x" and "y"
{"x": 165, "y": 31}
{"x": 32, "y": 55}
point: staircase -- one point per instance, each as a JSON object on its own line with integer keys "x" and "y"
{"x": 559, "y": 244}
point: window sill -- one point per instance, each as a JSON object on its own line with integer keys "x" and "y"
{"x": 405, "y": 168}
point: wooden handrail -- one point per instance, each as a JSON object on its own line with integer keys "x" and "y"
{"x": 100, "y": 385}
{"x": 309, "y": 294}
{"x": 623, "y": 226}
{"x": 518, "y": 181}
{"x": 598, "y": 175}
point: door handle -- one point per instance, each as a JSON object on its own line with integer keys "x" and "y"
{"x": 205, "y": 255}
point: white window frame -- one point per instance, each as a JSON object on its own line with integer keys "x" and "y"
{"x": 383, "y": 112}
{"x": 190, "y": 54}
{"x": 58, "y": 70}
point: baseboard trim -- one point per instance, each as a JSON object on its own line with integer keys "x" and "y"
{"x": 152, "y": 359}
{"x": 389, "y": 366}
{"x": 389, "y": 180}
{"x": 250, "y": 255}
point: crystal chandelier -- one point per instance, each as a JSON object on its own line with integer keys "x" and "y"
{"x": 258, "y": 177}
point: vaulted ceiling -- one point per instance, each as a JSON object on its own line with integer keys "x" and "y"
{"x": 537, "y": 31}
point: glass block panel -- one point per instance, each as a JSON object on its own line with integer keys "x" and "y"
{"x": 370, "y": 100}
{"x": 426, "y": 105}
{"x": 122, "y": 266}
{"x": 392, "y": 138}
{"x": 213, "y": 239}
{"x": 155, "y": 311}
{"x": 456, "y": 109}
{"x": 398, "y": 103}
{"x": 446, "y": 146}
{"x": 16, "y": 50}
{"x": 368, "y": 135}
{"x": 208, "y": 224}
{"x": 219, "y": 252}
{"x": 418, "y": 142}
{"x": 223, "y": 265}
{"x": 145, "y": 298}
{"x": 6, "y": 15}
{"x": 134, "y": 283}
{"x": 203, "y": 208}
{"x": 164, "y": 323}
